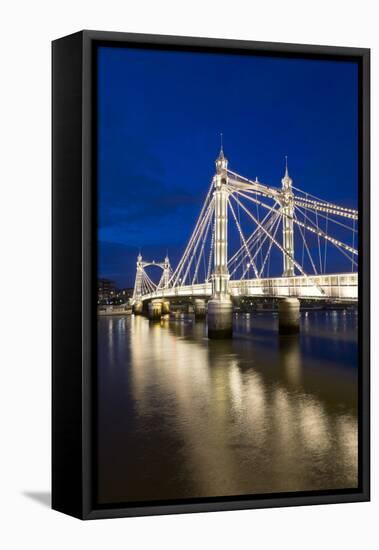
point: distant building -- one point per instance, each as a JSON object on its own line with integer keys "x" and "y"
{"x": 106, "y": 291}
{"x": 109, "y": 294}
{"x": 123, "y": 295}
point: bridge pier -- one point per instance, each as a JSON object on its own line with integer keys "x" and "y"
{"x": 155, "y": 310}
{"x": 165, "y": 307}
{"x": 137, "y": 308}
{"x": 220, "y": 318}
{"x": 289, "y": 315}
{"x": 199, "y": 308}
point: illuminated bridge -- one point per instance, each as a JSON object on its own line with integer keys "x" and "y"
{"x": 255, "y": 240}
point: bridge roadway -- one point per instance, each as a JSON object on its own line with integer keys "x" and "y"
{"x": 341, "y": 286}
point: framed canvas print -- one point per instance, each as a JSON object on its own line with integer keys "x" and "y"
{"x": 210, "y": 274}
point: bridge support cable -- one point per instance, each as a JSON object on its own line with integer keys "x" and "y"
{"x": 317, "y": 231}
{"x": 294, "y": 262}
{"x": 259, "y": 244}
{"x": 239, "y": 221}
{"x": 318, "y": 242}
{"x": 208, "y": 205}
{"x": 145, "y": 288}
{"x": 316, "y": 203}
{"x": 201, "y": 254}
{"x": 272, "y": 192}
{"x": 319, "y": 207}
{"x": 244, "y": 240}
{"x": 191, "y": 257}
{"x": 328, "y": 217}
{"x": 305, "y": 245}
{"x": 204, "y": 264}
{"x": 302, "y": 231}
{"x": 199, "y": 220}
{"x": 261, "y": 240}
{"x": 273, "y": 239}
{"x": 305, "y": 210}
{"x": 284, "y": 252}
{"x": 353, "y": 244}
{"x": 275, "y": 230}
{"x": 239, "y": 257}
{"x": 147, "y": 285}
{"x": 208, "y": 274}
{"x": 148, "y": 281}
{"x": 326, "y": 242}
{"x": 272, "y": 209}
{"x": 314, "y": 229}
{"x": 275, "y": 221}
{"x": 251, "y": 242}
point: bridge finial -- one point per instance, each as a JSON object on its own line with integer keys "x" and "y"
{"x": 221, "y": 161}
{"x": 286, "y": 180}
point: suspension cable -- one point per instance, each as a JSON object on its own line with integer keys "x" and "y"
{"x": 295, "y": 263}
{"x": 302, "y": 233}
{"x": 326, "y": 242}
{"x": 244, "y": 240}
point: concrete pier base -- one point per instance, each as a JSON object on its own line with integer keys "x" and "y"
{"x": 155, "y": 310}
{"x": 165, "y": 307}
{"x": 137, "y": 308}
{"x": 199, "y": 308}
{"x": 289, "y": 315}
{"x": 220, "y": 319}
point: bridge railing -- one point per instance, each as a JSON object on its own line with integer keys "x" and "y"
{"x": 342, "y": 286}
{"x": 200, "y": 290}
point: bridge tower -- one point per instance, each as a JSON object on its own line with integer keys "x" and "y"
{"x": 289, "y": 308}
{"x": 220, "y": 309}
{"x": 166, "y": 272}
{"x": 164, "y": 282}
{"x": 287, "y": 211}
{"x": 137, "y": 293}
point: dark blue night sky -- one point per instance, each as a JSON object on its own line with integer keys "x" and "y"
{"x": 160, "y": 114}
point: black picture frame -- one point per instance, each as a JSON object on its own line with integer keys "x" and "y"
{"x": 74, "y": 274}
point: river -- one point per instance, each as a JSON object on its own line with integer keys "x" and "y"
{"x": 181, "y": 416}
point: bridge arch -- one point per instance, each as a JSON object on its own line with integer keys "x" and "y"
{"x": 143, "y": 283}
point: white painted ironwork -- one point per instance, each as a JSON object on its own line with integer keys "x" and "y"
{"x": 205, "y": 270}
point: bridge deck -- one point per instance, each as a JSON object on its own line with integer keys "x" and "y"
{"x": 342, "y": 286}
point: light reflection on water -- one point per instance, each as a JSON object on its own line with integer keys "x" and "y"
{"x": 182, "y": 417}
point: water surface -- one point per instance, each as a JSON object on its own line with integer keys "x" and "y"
{"x": 181, "y": 416}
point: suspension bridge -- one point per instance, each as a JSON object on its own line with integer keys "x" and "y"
{"x": 257, "y": 241}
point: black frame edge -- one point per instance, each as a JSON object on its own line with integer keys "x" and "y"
{"x": 227, "y": 506}
{"x": 67, "y": 471}
{"x": 223, "y": 43}
{"x": 365, "y": 288}
{"x": 83, "y": 506}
